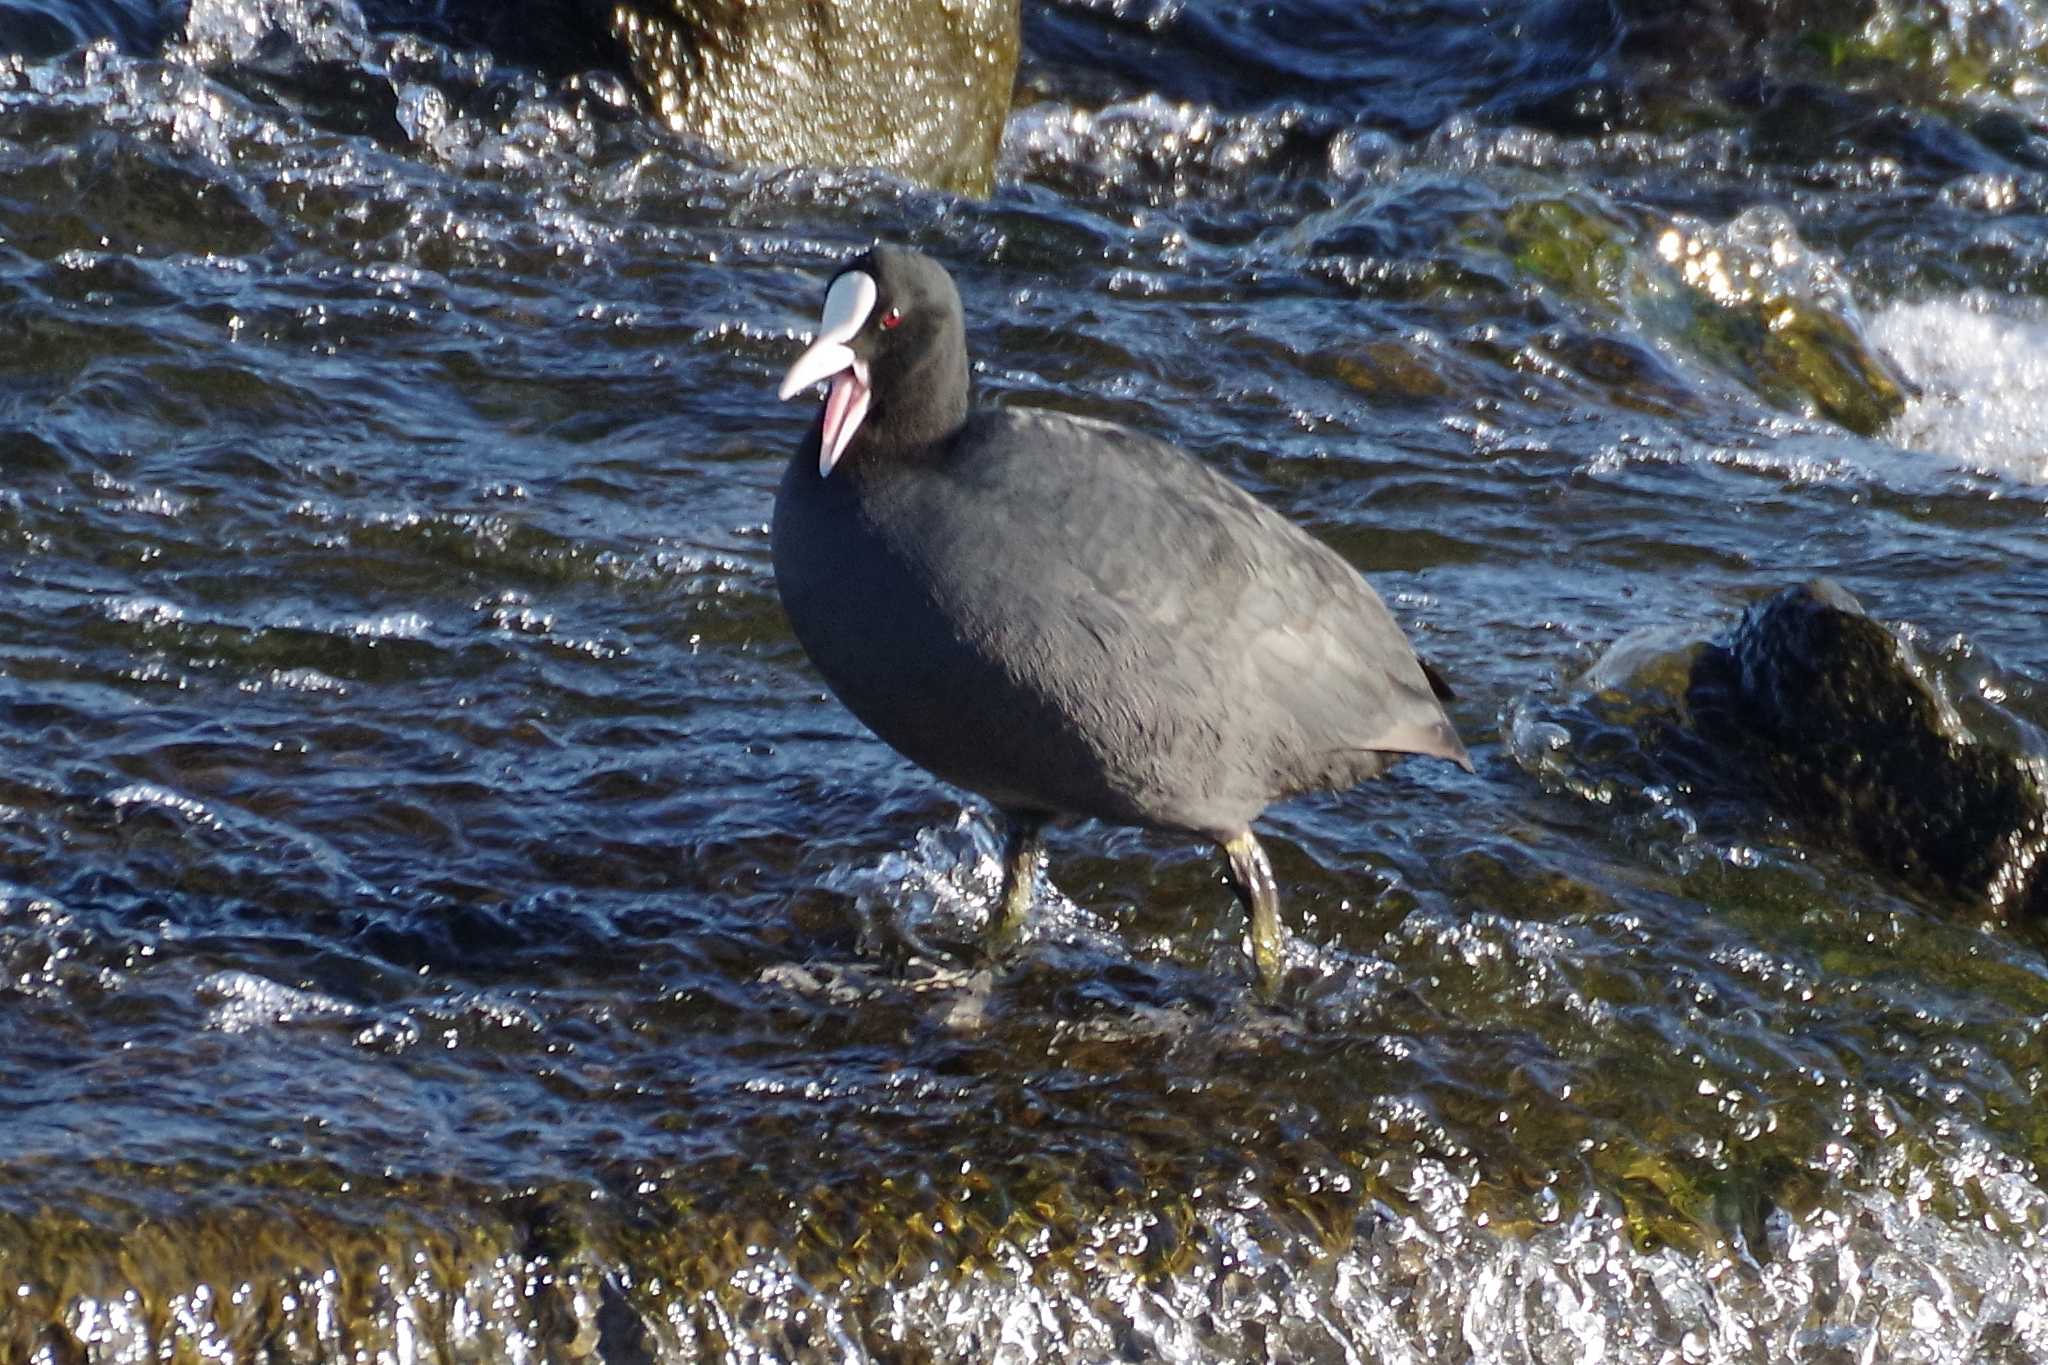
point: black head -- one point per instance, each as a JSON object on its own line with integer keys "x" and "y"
{"x": 892, "y": 343}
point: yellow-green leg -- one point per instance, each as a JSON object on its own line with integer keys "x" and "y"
{"x": 1252, "y": 875}
{"x": 1021, "y": 849}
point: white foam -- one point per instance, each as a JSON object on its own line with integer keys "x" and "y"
{"x": 242, "y": 1001}
{"x": 1982, "y": 366}
{"x": 1161, "y": 149}
{"x": 221, "y": 31}
{"x": 163, "y": 798}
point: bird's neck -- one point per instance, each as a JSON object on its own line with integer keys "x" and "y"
{"x": 925, "y": 408}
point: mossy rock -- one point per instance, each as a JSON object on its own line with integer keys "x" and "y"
{"x": 1717, "y": 297}
{"x": 1574, "y": 244}
{"x": 1799, "y": 356}
{"x": 918, "y": 87}
{"x": 1389, "y": 371}
{"x": 1835, "y": 719}
{"x": 1927, "y": 51}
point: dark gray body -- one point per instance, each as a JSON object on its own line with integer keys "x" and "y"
{"x": 1072, "y": 618}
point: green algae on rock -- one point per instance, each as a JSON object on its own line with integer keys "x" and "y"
{"x": 1745, "y": 300}
{"x": 1922, "y": 50}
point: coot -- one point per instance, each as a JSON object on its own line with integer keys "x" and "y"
{"x": 1066, "y": 616}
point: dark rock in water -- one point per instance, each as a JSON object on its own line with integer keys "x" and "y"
{"x": 1929, "y": 86}
{"x": 1836, "y": 719}
{"x": 919, "y": 87}
{"x": 1926, "y": 51}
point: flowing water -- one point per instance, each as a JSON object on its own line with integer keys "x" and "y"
{"x": 442, "y": 917}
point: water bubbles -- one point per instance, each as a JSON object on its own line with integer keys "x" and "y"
{"x": 150, "y": 796}
{"x": 274, "y": 32}
{"x": 424, "y": 112}
{"x": 403, "y": 625}
{"x": 243, "y": 1001}
{"x": 1158, "y": 151}
{"x": 1363, "y": 154}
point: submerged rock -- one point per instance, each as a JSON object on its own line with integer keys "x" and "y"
{"x": 1836, "y": 719}
{"x": 1925, "y": 50}
{"x": 1746, "y": 300}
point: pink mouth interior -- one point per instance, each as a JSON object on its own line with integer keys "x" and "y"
{"x": 845, "y": 404}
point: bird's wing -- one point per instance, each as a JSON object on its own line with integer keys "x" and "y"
{"x": 1177, "y": 574}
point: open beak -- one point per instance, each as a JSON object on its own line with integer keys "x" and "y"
{"x": 847, "y": 305}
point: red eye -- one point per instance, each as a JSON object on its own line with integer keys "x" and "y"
{"x": 891, "y": 318}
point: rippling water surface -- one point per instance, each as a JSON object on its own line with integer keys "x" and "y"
{"x": 443, "y": 918}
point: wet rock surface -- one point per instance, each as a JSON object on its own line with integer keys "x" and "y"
{"x": 1844, "y": 728}
{"x": 1720, "y": 296}
{"x": 1925, "y": 50}
{"x": 919, "y": 88}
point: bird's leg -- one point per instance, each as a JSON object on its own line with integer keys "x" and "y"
{"x": 1021, "y": 848}
{"x": 1252, "y": 875}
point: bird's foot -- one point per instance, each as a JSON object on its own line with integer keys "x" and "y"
{"x": 1253, "y": 876}
{"x": 1021, "y": 852}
